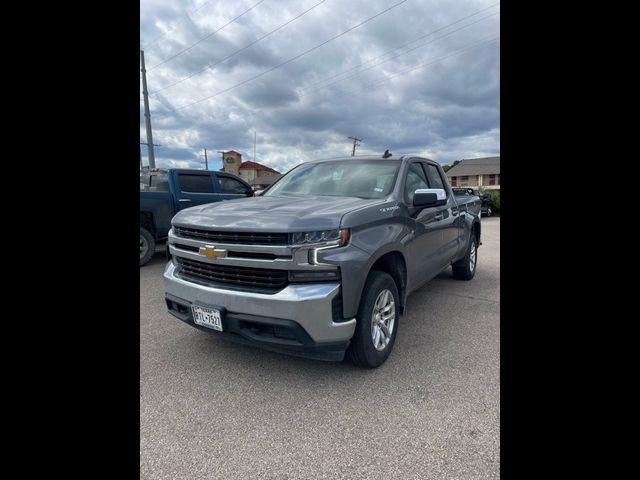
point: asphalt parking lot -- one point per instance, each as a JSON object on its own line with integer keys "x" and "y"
{"x": 215, "y": 409}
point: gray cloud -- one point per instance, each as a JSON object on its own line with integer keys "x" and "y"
{"x": 447, "y": 111}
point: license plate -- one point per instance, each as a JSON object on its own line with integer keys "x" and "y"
{"x": 207, "y": 317}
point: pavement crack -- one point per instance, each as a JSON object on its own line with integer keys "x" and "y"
{"x": 466, "y": 296}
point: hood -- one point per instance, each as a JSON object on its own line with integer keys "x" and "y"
{"x": 273, "y": 214}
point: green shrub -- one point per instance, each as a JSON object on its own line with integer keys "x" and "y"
{"x": 493, "y": 198}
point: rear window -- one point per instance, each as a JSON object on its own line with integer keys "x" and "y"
{"x": 191, "y": 183}
{"x": 154, "y": 182}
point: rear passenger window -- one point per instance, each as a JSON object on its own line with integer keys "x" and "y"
{"x": 434, "y": 176}
{"x": 195, "y": 183}
{"x": 415, "y": 179}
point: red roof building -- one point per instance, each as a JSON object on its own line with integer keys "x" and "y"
{"x": 249, "y": 171}
{"x": 253, "y": 172}
{"x": 256, "y": 166}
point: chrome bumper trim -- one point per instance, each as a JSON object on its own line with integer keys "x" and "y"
{"x": 307, "y": 304}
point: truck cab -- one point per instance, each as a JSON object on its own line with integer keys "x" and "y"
{"x": 165, "y": 192}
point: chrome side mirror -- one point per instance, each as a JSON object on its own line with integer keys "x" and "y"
{"x": 429, "y": 197}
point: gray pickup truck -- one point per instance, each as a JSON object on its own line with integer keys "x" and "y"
{"x": 321, "y": 264}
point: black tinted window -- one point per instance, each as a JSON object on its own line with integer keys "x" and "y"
{"x": 195, "y": 183}
{"x": 415, "y": 179}
{"x": 435, "y": 177}
{"x": 231, "y": 185}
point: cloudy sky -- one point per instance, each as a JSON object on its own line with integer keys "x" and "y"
{"x": 422, "y": 77}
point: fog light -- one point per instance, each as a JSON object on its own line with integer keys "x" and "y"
{"x": 313, "y": 276}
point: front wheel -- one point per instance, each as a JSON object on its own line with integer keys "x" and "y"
{"x": 376, "y": 322}
{"x": 465, "y": 268}
{"x": 147, "y": 246}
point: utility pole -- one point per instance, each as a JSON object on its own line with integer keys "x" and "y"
{"x": 355, "y": 144}
{"x": 145, "y": 143}
{"x": 147, "y": 114}
{"x": 206, "y": 161}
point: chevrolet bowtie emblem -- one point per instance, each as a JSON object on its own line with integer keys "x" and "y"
{"x": 212, "y": 252}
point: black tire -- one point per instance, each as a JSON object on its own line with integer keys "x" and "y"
{"x": 463, "y": 268}
{"x": 147, "y": 246}
{"x": 362, "y": 351}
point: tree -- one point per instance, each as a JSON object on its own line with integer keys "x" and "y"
{"x": 446, "y": 168}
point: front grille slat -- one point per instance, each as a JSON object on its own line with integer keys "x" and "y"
{"x": 245, "y": 276}
{"x": 234, "y": 276}
{"x": 253, "y": 238}
{"x": 233, "y": 269}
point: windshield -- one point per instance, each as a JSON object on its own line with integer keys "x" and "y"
{"x": 353, "y": 178}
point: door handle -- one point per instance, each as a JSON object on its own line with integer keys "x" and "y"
{"x": 184, "y": 200}
{"x": 438, "y": 216}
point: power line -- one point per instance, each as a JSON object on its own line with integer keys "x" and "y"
{"x": 402, "y": 46}
{"x": 356, "y": 143}
{"x": 188, "y": 15}
{"x": 398, "y": 55}
{"x": 210, "y": 65}
{"x": 293, "y": 58}
{"x": 206, "y": 36}
{"x": 484, "y": 41}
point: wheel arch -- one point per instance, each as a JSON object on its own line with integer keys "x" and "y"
{"x": 147, "y": 221}
{"x": 394, "y": 263}
{"x": 476, "y": 230}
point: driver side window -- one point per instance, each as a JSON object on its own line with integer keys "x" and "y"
{"x": 415, "y": 179}
{"x": 233, "y": 186}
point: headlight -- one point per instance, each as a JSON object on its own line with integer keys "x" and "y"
{"x": 339, "y": 237}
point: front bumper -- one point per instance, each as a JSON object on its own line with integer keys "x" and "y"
{"x": 302, "y": 313}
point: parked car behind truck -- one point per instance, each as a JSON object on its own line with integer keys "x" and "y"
{"x": 165, "y": 192}
{"x": 485, "y": 206}
{"x": 322, "y": 263}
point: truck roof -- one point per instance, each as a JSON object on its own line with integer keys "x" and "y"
{"x": 394, "y": 157}
{"x": 165, "y": 170}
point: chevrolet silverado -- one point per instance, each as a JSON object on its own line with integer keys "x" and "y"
{"x": 321, "y": 264}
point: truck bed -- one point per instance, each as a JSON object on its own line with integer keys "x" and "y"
{"x": 472, "y": 202}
